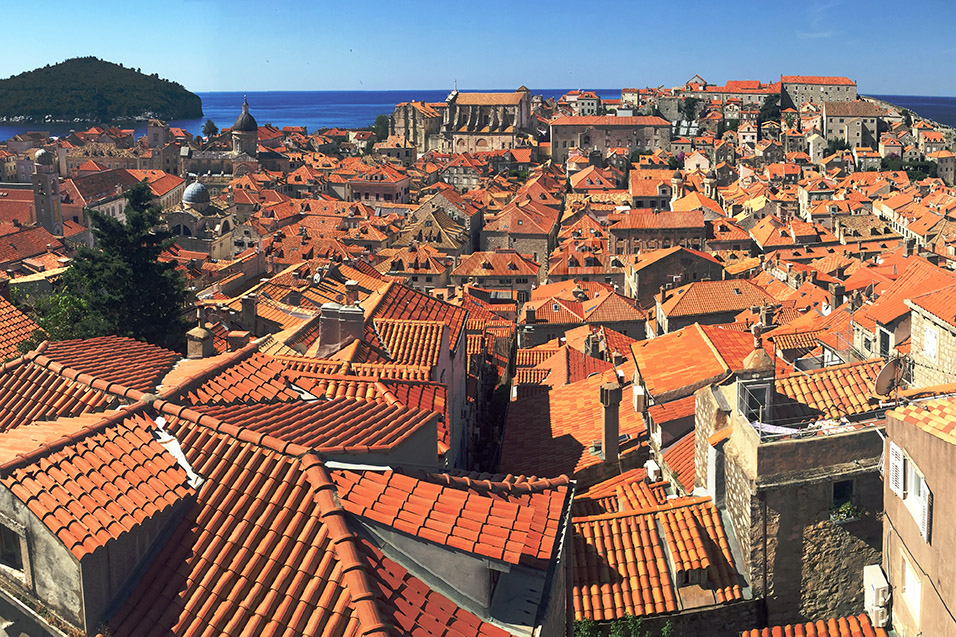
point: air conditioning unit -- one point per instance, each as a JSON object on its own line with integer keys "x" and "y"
{"x": 876, "y": 590}
{"x": 653, "y": 471}
{"x": 879, "y": 616}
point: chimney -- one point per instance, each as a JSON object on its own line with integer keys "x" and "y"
{"x": 611, "y": 430}
{"x": 837, "y": 292}
{"x": 592, "y": 345}
{"x": 238, "y": 339}
{"x": 249, "y": 317}
{"x": 617, "y": 358}
{"x": 529, "y": 317}
{"x": 329, "y": 341}
{"x": 199, "y": 343}
{"x": 351, "y": 324}
{"x": 766, "y": 315}
{"x": 351, "y": 292}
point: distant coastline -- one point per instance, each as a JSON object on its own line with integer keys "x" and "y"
{"x": 354, "y": 109}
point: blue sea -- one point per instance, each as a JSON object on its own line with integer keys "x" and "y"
{"x": 312, "y": 109}
{"x": 350, "y": 109}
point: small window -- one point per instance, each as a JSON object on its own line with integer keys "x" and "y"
{"x": 842, "y": 492}
{"x": 10, "y": 555}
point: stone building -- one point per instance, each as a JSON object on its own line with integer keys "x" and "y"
{"x": 796, "y": 469}
{"x": 641, "y": 230}
{"x": 202, "y": 224}
{"x": 417, "y": 123}
{"x": 475, "y": 122}
{"x": 242, "y": 159}
{"x": 46, "y": 194}
{"x": 603, "y": 132}
{"x": 855, "y": 122}
{"x": 646, "y": 273}
{"x": 799, "y": 89}
{"x": 933, "y": 337}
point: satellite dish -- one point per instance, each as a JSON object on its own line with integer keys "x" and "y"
{"x": 886, "y": 380}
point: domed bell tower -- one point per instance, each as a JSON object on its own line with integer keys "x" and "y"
{"x": 245, "y": 132}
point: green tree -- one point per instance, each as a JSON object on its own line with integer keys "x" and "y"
{"x": 380, "y": 127}
{"x": 688, "y": 108}
{"x": 209, "y": 129}
{"x": 835, "y": 145}
{"x": 907, "y": 117}
{"x": 119, "y": 287}
{"x": 770, "y": 109}
{"x": 732, "y": 124}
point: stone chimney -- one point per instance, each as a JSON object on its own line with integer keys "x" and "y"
{"x": 351, "y": 292}
{"x": 238, "y": 339}
{"x": 199, "y": 343}
{"x": 617, "y": 358}
{"x": 611, "y": 429}
{"x": 329, "y": 341}
{"x": 529, "y": 315}
{"x": 592, "y": 345}
{"x": 249, "y": 318}
{"x": 837, "y": 292}
{"x": 351, "y": 324}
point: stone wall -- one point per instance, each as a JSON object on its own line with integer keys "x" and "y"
{"x": 727, "y": 620}
{"x": 814, "y": 565}
{"x": 929, "y": 370}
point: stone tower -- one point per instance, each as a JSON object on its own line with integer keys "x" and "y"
{"x": 245, "y": 132}
{"x": 46, "y": 193}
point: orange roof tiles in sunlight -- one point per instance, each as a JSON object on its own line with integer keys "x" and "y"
{"x": 852, "y": 626}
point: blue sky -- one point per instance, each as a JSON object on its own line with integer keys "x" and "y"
{"x": 209, "y": 45}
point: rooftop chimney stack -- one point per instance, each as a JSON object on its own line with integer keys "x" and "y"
{"x": 611, "y": 429}
{"x": 329, "y": 341}
{"x": 249, "y": 317}
{"x": 238, "y": 339}
{"x": 351, "y": 324}
{"x": 351, "y": 292}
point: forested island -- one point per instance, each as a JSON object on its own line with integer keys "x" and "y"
{"x": 92, "y": 90}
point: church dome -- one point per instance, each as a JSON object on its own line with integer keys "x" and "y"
{"x": 195, "y": 195}
{"x": 43, "y": 158}
{"x": 245, "y": 123}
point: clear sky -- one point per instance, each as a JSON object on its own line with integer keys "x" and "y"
{"x": 211, "y": 45}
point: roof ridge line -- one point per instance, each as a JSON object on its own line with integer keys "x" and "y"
{"x": 346, "y": 546}
{"x": 243, "y": 434}
{"x": 669, "y": 505}
{"x": 84, "y": 378}
{"x": 713, "y": 348}
{"x": 192, "y": 382}
{"x": 44, "y": 449}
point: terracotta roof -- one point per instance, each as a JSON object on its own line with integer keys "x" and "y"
{"x": 15, "y": 327}
{"x": 341, "y": 425}
{"x": 264, "y": 549}
{"x": 609, "y": 120}
{"x": 941, "y": 304}
{"x": 853, "y": 626}
{"x": 679, "y": 458}
{"x": 622, "y": 560}
{"x": 551, "y": 434}
{"x": 488, "y": 99}
{"x": 93, "y": 478}
{"x": 935, "y": 417}
{"x": 711, "y": 297}
{"x": 133, "y": 363}
{"x": 402, "y": 302}
{"x": 828, "y": 392}
{"x": 674, "y": 365}
{"x": 445, "y": 515}
{"x": 644, "y": 219}
{"x": 254, "y": 377}
{"x": 817, "y": 79}
{"x": 628, "y": 491}
{"x": 411, "y": 342}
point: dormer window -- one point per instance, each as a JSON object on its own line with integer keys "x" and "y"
{"x": 555, "y": 307}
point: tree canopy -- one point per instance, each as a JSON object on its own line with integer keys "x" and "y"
{"x": 91, "y": 89}
{"x": 770, "y": 109}
{"x": 119, "y": 287}
{"x": 209, "y": 129}
{"x": 688, "y": 108}
{"x": 380, "y": 127}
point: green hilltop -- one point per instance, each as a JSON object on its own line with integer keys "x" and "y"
{"x": 93, "y": 90}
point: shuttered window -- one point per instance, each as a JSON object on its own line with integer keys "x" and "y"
{"x": 897, "y": 471}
